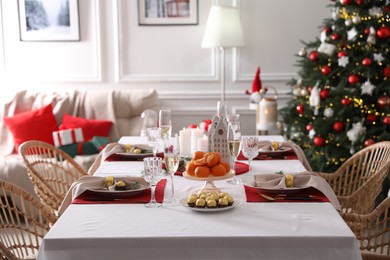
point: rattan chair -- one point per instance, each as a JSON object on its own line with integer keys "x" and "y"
{"x": 359, "y": 180}
{"x": 24, "y": 222}
{"x": 372, "y": 230}
{"x": 51, "y": 170}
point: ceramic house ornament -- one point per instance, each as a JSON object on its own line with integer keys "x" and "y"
{"x": 218, "y": 137}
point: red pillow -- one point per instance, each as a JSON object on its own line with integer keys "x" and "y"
{"x": 91, "y": 127}
{"x": 36, "y": 124}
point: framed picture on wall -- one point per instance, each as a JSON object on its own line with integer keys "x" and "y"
{"x": 167, "y": 12}
{"x": 49, "y": 20}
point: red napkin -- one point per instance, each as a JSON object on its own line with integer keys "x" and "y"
{"x": 289, "y": 155}
{"x": 240, "y": 169}
{"x": 253, "y": 196}
{"x": 130, "y": 157}
{"x": 89, "y": 197}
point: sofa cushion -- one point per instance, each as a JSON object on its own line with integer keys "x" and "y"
{"x": 37, "y": 124}
{"x": 91, "y": 127}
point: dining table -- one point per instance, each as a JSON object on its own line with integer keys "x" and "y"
{"x": 248, "y": 230}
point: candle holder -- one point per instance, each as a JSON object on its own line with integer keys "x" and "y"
{"x": 267, "y": 113}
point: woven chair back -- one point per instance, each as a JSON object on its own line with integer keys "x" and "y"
{"x": 51, "y": 170}
{"x": 24, "y": 222}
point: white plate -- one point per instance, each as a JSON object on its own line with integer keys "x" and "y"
{"x": 119, "y": 193}
{"x": 277, "y": 191}
{"x": 209, "y": 178}
{"x": 184, "y": 203}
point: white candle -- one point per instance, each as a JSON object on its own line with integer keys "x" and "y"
{"x": 185, "y": 142}
{"x": 203, "y": 144}
{"x": 267, "y": 114}
{"x": 195, "y": 135}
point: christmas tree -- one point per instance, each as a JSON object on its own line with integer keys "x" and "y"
{"x": 341, "y": 99}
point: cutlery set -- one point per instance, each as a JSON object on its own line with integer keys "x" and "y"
{"x": 281, "y": 197}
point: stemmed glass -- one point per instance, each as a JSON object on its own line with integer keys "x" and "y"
{"x": 250, "y": 149}
{"x": 153, "y": 135}
{"x": 234, "y": 142}
{"x": 153, "y": 173}
{"x": 172, "y": 159}
{"x": 165, "y": 124}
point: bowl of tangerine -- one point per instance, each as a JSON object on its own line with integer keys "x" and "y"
{"x": 207, "y": 165}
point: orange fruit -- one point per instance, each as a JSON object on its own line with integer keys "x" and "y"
{"x": 202, "y": 171}
{"x": 200, "y": 162}
{"x": 226, "y": 165}
{"x": 218, "y": 155}
{"x": 190, "y": 168}
{"x": 211, "y": 159}
{"x": 198, "y": 155}
{"x": 218, "y": 170}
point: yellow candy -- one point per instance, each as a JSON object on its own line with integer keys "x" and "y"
{"x": 137, "y": 151}
{"x": 289, "y": 180}
{"x": 128, "y": 148}
{"x": 109, "y": 181}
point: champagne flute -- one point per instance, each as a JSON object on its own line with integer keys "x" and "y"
{"x": 153, "y": 135}
{"x": 153, "y": 173}
{"x": 250, "y": 149}
{"x": 165, "y": 124}
{"x": 234, "y": 142}
{"x": 172, "y": 160}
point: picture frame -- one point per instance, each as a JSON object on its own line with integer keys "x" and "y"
{"x": 167, "y": 12}
{"x": 49, "y": 20}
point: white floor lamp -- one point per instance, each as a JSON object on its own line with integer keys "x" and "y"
{"x": 223, "y": 29}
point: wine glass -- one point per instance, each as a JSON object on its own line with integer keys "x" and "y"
{"x": 172, "y": 160}
{"x": 234, "y": 142}
{"x": 153, "y": 135}
{"x": 153, "y": 173}
{"x": 165, "y": 124}
{"x": 250, "y": 149}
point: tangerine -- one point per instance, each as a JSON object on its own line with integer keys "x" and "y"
{"x": 218, "y": 170}
{"x": 190, "y": 168}
{"x": 226, "y": 165}
{"x": 218, "y": 155}
{"x": 200, "y": 162}
{"x": 202, "y": 171}
{"x": 198, "y": 155}
{"x": 211, "y": 159}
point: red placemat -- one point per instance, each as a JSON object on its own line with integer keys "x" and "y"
{"x": 289, "y": 155}
{"x": 240, "y": 169}
{"x": 89, "y": 197}
{"x": 115, "y": 157}
{"x": 252, "y": 195}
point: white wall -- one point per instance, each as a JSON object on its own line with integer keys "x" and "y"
{"x": 115, "y": 52}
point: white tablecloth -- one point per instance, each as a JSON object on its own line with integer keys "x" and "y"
{"x": 247, "y": 231}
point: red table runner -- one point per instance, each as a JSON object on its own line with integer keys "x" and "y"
{"x": 252, "y": 195}
{"x": 89, "y": 197}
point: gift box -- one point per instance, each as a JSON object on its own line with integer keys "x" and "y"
{"x": 82, "y": 148}
{"x": 100, "y": 142}
{"x": 68, "y": 136}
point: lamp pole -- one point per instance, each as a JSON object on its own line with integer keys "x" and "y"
{"x": 222, "y": 74}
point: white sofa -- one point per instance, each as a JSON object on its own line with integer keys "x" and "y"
{"x": 123, "y": 107}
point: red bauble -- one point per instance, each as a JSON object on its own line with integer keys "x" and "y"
{"x": 345, "y": 101}
{"x": 366, "y": 62}
{"x": 319, "y": 141}
{"x": 341, "y": 54}
{"x": 353, "y": 79}
{"x": 327, "y": 30}
{"x": 383, "y": 101}
{"x": 326, "y": 70}
{"x": 309, "y": 88}
{"x": 367, "y": 31}
{"x": 335, "y": 36}
{"x": 300, "y": 108}
{"x": 347, "y": 2}
{"x": 369, "y": 142}
{"x": 359, "y": 2}
{"x": 324, "y": 94}
{"x": 338, "y": 126}
{"x": 386, "y": 120}
{"x": 309, "y": 127}
{"x": 383, "y": 32}
{"x": 371, "y": 118}
{"x": 313, "y": 56}
{"x": 386, "y": 72}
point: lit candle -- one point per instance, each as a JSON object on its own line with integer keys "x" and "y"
{"x": 203, "y": 144}
{"x": 267, "y": 114}
{"x": 195, "y": 135}
{"x": 185, "y": 142}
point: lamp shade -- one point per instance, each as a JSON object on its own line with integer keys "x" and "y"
{"x": 223, "y": 28}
